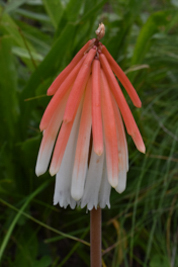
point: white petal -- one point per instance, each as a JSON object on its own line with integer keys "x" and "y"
{"x": 62, "y": 189}
{"x": 44, "y": 155}
{"x": 82, "y": 149}
{"x": 122, "y": 181}
{"x": 93, "y": 181}
{"x": 124, "y": 149}
{"x": 79, "y": 172}
{"x": 105, "y": 189}
{"x": 49, "y": 137}
{"x": 62, "y": 193}
{"x": 123, "y": 156}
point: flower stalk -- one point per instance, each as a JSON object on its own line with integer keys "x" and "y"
{"x": 95, "y": 237}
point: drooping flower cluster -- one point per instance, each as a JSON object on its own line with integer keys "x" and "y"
{"x": 83, "y": 130}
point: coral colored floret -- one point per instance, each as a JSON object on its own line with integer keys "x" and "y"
{"x": 97, "y": 130}
{"x": 83, "y": 129}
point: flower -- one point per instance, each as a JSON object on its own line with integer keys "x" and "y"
{"x": 83, "y": 125}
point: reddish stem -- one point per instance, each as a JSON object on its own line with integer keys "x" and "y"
{"x": 95, "y": 237}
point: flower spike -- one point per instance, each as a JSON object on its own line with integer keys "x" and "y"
{"x": 83, "y": 129}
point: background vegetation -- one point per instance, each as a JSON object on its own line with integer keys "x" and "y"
{"x": 38, "y": 38}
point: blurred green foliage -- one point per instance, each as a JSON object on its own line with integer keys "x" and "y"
{"x": 38, "y": 38}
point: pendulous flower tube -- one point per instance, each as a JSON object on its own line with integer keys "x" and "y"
{"x": 84, "y": 142}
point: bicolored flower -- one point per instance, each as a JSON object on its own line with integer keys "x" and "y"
{"x": 83, "y": 134}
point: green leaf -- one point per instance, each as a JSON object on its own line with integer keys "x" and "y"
{"x": 21, "y": 52}
{"x": 8, "y": 84}
{"x": 156, "y": 22}
{"x": 11, "y": 28}
{"x": 37, "y": 38}
{"x": 73, "y": 10}
{"x": 116, "y": 42}
{"x": 30, "y": 149}
{"x": 89, "y": 5}
{"x": 27, "y": 248}
{"x": 32, "y": 15}
{"x": 91, "y": 12}
{"x": 11, "y": 6}
{"x": 159, "y": 260}
{"x": 18, "y": 215}
{"x": 34, "y": 2}
{"x": 45, "y": 261}
{"x": 55, "y": 10}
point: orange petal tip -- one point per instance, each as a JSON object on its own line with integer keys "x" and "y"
{"x": 99, "y": 152}
{"x": 142, "y": 149}
{"x": 138, "y": 104}
{"x": 49, "y": 93}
